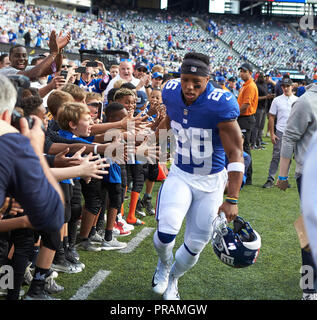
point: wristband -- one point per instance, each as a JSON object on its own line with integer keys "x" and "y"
{"x": 235, "y": 166}
{"x": 282, "y": 178}
{"x": 231, "y": 200}
{"x": 96, "y": 149}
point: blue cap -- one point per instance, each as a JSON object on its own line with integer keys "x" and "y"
{"x": 157, "y": 75}
{"x": 221, "y": 79}
{"x": 142, "y": 99}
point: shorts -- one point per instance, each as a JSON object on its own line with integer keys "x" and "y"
{"x": 92, "y": 195}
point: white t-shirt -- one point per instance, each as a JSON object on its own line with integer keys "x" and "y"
{"x": 134, "y": 81}
{"x": 281, "y": 108}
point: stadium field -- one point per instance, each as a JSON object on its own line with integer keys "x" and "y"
{"x": 115, "y": 275}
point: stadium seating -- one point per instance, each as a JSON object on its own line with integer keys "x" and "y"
{"x": 268, "y": 45}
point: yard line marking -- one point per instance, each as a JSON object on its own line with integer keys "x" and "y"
{"x": 91, "y": 285}
{"x": 137, "y": 240}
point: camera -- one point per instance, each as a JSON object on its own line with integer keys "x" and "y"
{"x": 64, "y": 74}
{"x": 80, "y": 70}
{"x": 15, "y": 120}
{"x": 20, "y": 83}
{"x": 92, "y": 64}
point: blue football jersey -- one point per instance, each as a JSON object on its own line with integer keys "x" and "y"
{"x": 93, "y": 86}
{"x": 198, "y": 147}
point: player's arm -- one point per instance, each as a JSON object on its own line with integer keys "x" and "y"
{"x": 231, "y": 138}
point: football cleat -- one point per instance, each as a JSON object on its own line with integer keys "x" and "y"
{"x": 236, "y": 248}
{"x": 160, "y": 277}
{"x": 171, "y": 292}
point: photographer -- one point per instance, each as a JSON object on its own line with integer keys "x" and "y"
{"x": 36, "y": 190}
{"x": 18, "y": 57}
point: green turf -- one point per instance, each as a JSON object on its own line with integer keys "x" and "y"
{"x": 274, "y": 276}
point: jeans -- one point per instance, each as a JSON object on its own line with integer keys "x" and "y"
{"x": 275, "y": 156}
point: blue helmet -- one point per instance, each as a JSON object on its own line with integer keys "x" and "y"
{"x": 238, "y": 248}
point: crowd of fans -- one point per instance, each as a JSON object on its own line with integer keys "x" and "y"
{"x": 79, "y": 101}
{"x": 159, "y": 37}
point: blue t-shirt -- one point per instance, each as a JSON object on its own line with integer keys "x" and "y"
{"x": 114, "y": 174}
{"x": 70, "y": 136}
{"x": 12, "y": 37}
{"x": 22, "y": 177}
{"x": 114, "y": 171}
{"x": 198, "y": 146}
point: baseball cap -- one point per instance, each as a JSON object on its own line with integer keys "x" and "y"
{"x": 286, "y": 82}
{"x": 246, "y": 67}
{"x": 232, "y": 79}
{"x": 141, "y": 99}
{"x": 221, "y": 79}
{"x": 157, "y": 75}
{"x": 140, "y": 65}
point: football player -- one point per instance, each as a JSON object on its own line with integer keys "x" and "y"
{"x": 204, "y": 122}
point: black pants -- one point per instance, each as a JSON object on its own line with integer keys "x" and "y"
{"x": 151, "y": 171}
{"x": 137, "y": 176}
{"x": 256, "y": 135}
{"x": 92, "y": 195}
{"x": 246, "y": 124}
{"x": 23, "y": 241}
{"x": 68, "y": 193}
{"x": 76, "y": 209}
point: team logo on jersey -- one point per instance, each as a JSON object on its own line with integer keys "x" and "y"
{"x": 193, "y": 69}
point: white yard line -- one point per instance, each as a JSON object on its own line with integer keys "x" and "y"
{"x": 91, "y": 285}
{"x": 84, "y": 291}
{"x": 146, "y": 231}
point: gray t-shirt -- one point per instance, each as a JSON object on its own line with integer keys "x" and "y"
{"x": 11, "y": 71}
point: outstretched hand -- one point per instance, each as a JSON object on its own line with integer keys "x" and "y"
{"x": 57, "y": 43}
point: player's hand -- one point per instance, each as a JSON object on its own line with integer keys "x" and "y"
{"x": 283, "y": 185}
{"x": 230, "y": 210}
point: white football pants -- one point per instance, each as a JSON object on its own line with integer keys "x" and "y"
{"x": 178, "y": 199}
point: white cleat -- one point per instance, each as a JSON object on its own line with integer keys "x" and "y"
{"x": 171, "y": 292}
{"x": 160, "y": 277}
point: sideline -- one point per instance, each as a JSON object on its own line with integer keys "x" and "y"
{"x": 132, "y": 244}
{"x": 84, "y": 291}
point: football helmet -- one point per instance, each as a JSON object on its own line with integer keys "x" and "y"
{"x": 238, "y": 248}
